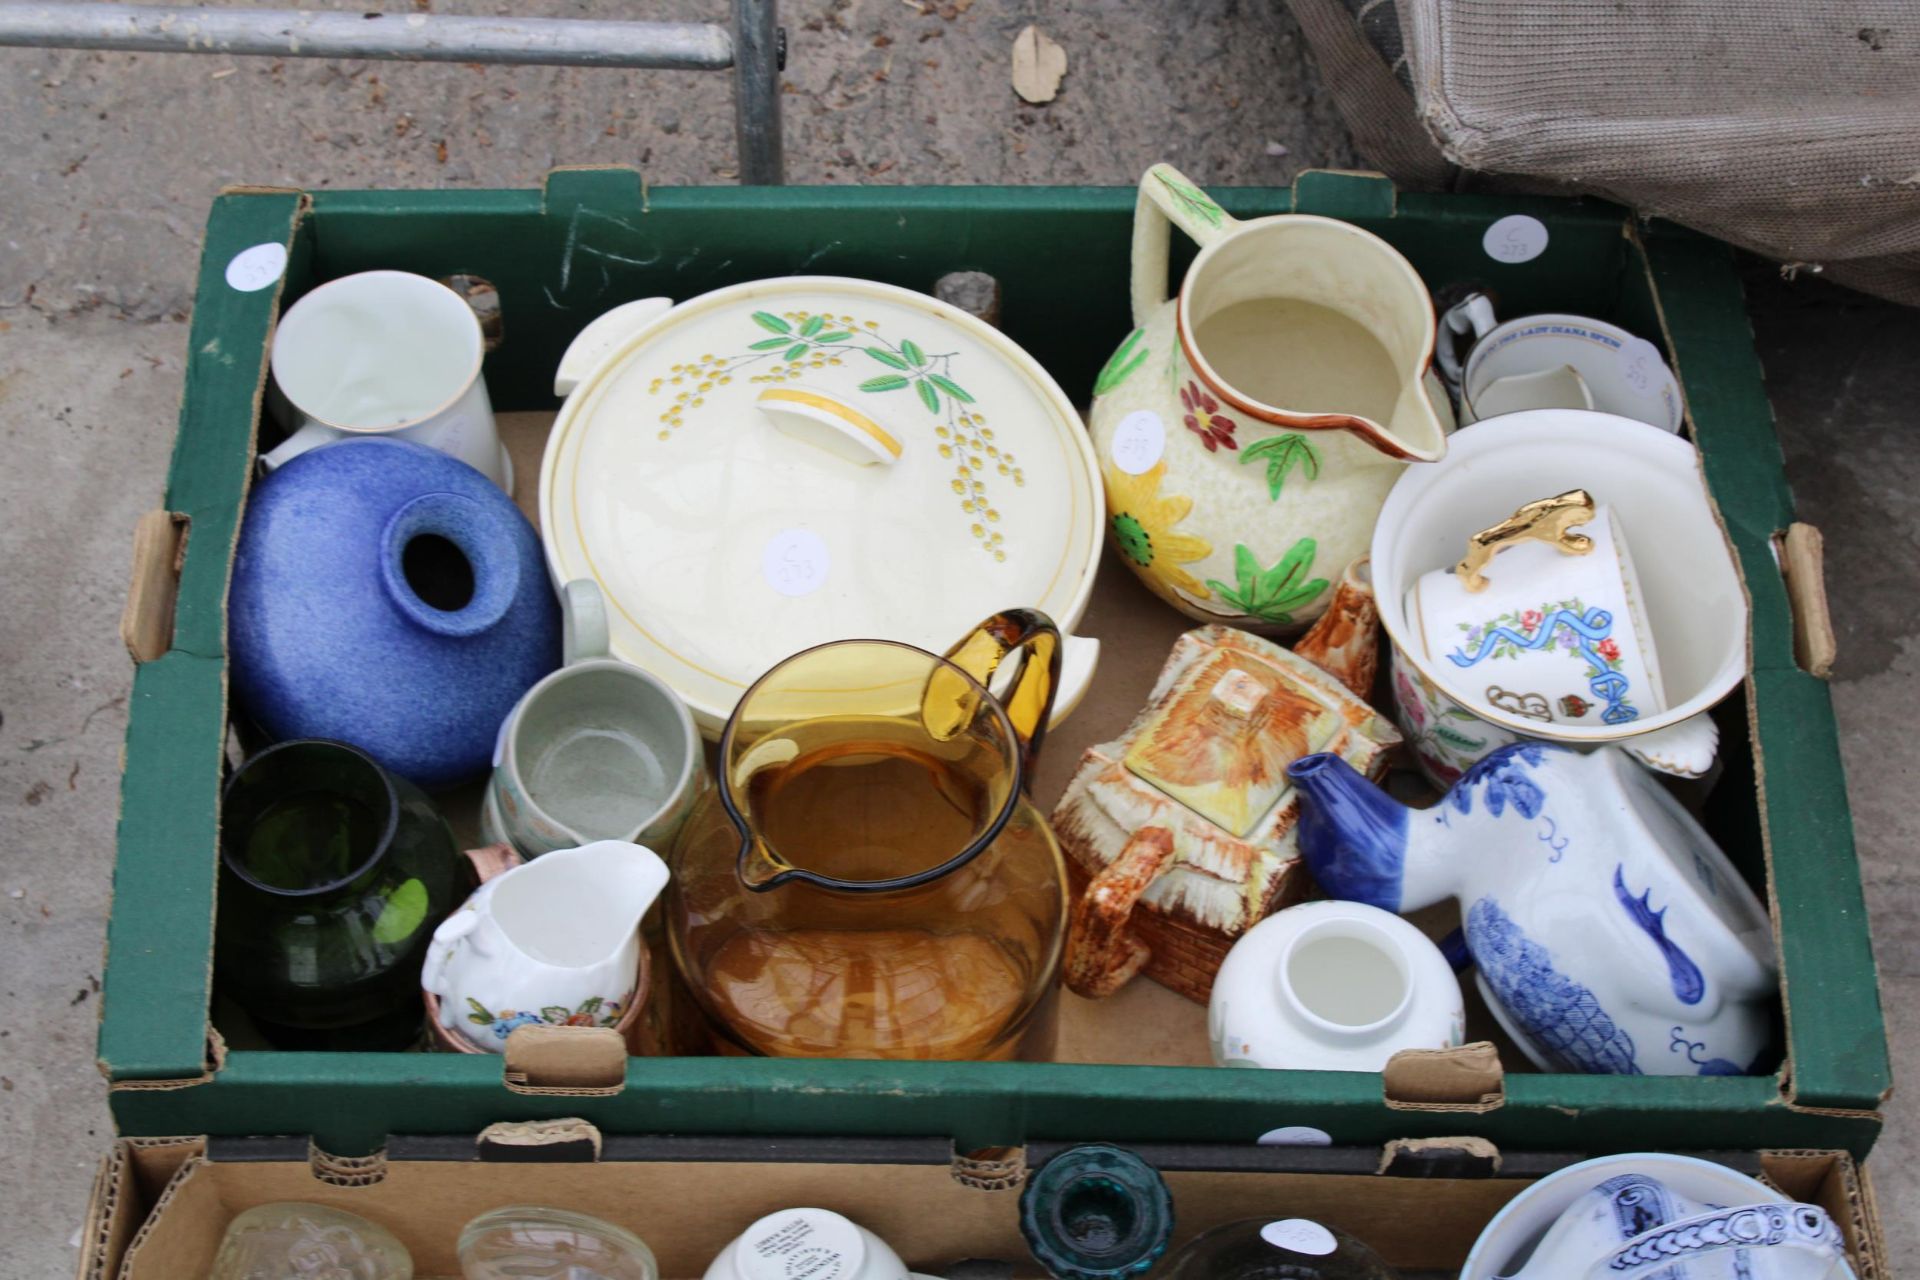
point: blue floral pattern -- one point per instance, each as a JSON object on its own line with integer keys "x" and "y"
{"x": 1563, "y": 1019}
{"x": 1507, "y": 781}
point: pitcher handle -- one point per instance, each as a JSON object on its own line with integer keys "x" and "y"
{"x": 1471, "y": 318}
{"x": 1029, "y": 699}
{"x": 1802, "y": 1228}
{"x": 584, "y": 633}
{"x": 1168, "y": 199}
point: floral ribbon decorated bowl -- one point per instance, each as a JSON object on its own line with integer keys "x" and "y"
{"x": 1686, "y": 584}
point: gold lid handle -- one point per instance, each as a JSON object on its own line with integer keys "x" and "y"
{"x": 1547, "y": 520}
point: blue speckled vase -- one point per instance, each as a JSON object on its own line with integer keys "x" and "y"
{"x": 391, "y": 597}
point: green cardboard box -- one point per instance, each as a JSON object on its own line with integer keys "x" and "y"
{"x": 595, "y": 237}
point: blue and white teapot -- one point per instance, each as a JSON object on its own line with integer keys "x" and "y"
{"x": 1610, "y": 934}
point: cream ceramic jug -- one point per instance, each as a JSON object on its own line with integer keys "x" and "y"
{"x": 1249, "y": 428}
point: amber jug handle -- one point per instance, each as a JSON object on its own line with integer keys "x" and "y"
{"x": 1029, "y": 698}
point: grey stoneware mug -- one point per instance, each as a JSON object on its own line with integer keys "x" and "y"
{"x": 598, "y": 750}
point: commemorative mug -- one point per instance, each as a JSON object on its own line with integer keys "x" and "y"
{"x": 1553, "y": 361}
{"x": 598, "y": 750}
{"x": 385, "y": 353}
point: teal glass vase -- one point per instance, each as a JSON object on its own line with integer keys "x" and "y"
{"x": 1096, "y": 1211}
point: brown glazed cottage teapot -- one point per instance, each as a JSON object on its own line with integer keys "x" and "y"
{"x": 1179, "y": 834}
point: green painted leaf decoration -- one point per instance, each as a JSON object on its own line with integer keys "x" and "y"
{"x": 795, "y": 351}
{"x": 885, "y": 382}
{"x": 590, "y": 1005}
{"x": 405, "y": 908}
{"x": 771, "y": 322}
{"x": 912, "y": 352}
{"x": 813, "y": 325}
{"x": 951, "y": 387}
{"x": 839, "y": 336}
{"x": 887, "y": 358}
{"x": 1192, "y": 199}
{"x": 928, "y": 396}
{"x": 1453, "y": 737}
{"x": 1123, "y": 362}
{"x": 1283, "y": 454}
{"x": 1273, "y": 594}
{"x": 479, "y": 1015}
{"x": 768, "y": 344}
{"x": 557, "y": 1014}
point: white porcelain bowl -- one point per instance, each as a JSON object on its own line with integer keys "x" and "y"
{"x": 1694, "y": 599}
{"x": 1507, "y": 1242}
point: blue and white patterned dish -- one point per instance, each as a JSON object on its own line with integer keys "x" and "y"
{"x": 1649, "y": 1216}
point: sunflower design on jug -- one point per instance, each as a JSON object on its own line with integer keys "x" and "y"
{"x": 1142, "y": 524}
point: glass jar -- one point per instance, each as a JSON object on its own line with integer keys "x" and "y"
{"x": 1277, "y": 1249}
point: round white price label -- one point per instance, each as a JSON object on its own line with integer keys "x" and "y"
{"x": 1299, "y": 1235}
{"x": 251, "y": 270}
{"x": 795, "y": 562}
{"x": 1296, "y": 1135}
{"x": 1138, "y": 442}
{"x": 1515, "y": 238}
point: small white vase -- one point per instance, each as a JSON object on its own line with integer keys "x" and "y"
{"x": 1332, "y": 986}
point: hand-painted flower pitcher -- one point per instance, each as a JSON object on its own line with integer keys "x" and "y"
{"x": 1249, "y": 428}
{"x": 1610, "y": 933}
{"x": 869, "y": 878}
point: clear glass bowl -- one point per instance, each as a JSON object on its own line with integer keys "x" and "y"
{"x": 531, "y": 1242}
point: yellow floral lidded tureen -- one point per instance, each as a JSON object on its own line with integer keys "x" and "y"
{"x": 785, "y": 463}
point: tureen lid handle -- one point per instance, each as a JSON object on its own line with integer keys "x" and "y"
{"x": 830, "y": 423}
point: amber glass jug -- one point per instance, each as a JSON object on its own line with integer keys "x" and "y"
{"x": 869, "y": 878}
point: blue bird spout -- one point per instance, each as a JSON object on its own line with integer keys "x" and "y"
{"x": 1352, "y": 834}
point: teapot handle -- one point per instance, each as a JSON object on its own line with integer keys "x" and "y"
{"x": 1103, "y": 954}
{"x": 1029, "y": 698}
{"x": 1803, "y": 1228}
{"x": 1168, "y": 199}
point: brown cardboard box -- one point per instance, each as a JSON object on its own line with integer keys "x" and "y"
{"x": 161, "y": 1206}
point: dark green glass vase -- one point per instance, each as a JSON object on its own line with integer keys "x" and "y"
{"x": 334, "y": 874}
{"x": 1276, "y": 1249}
{"x": 1096, "y": 1211}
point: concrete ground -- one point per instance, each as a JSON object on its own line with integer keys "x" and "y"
{"x": 110, "y": 160}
